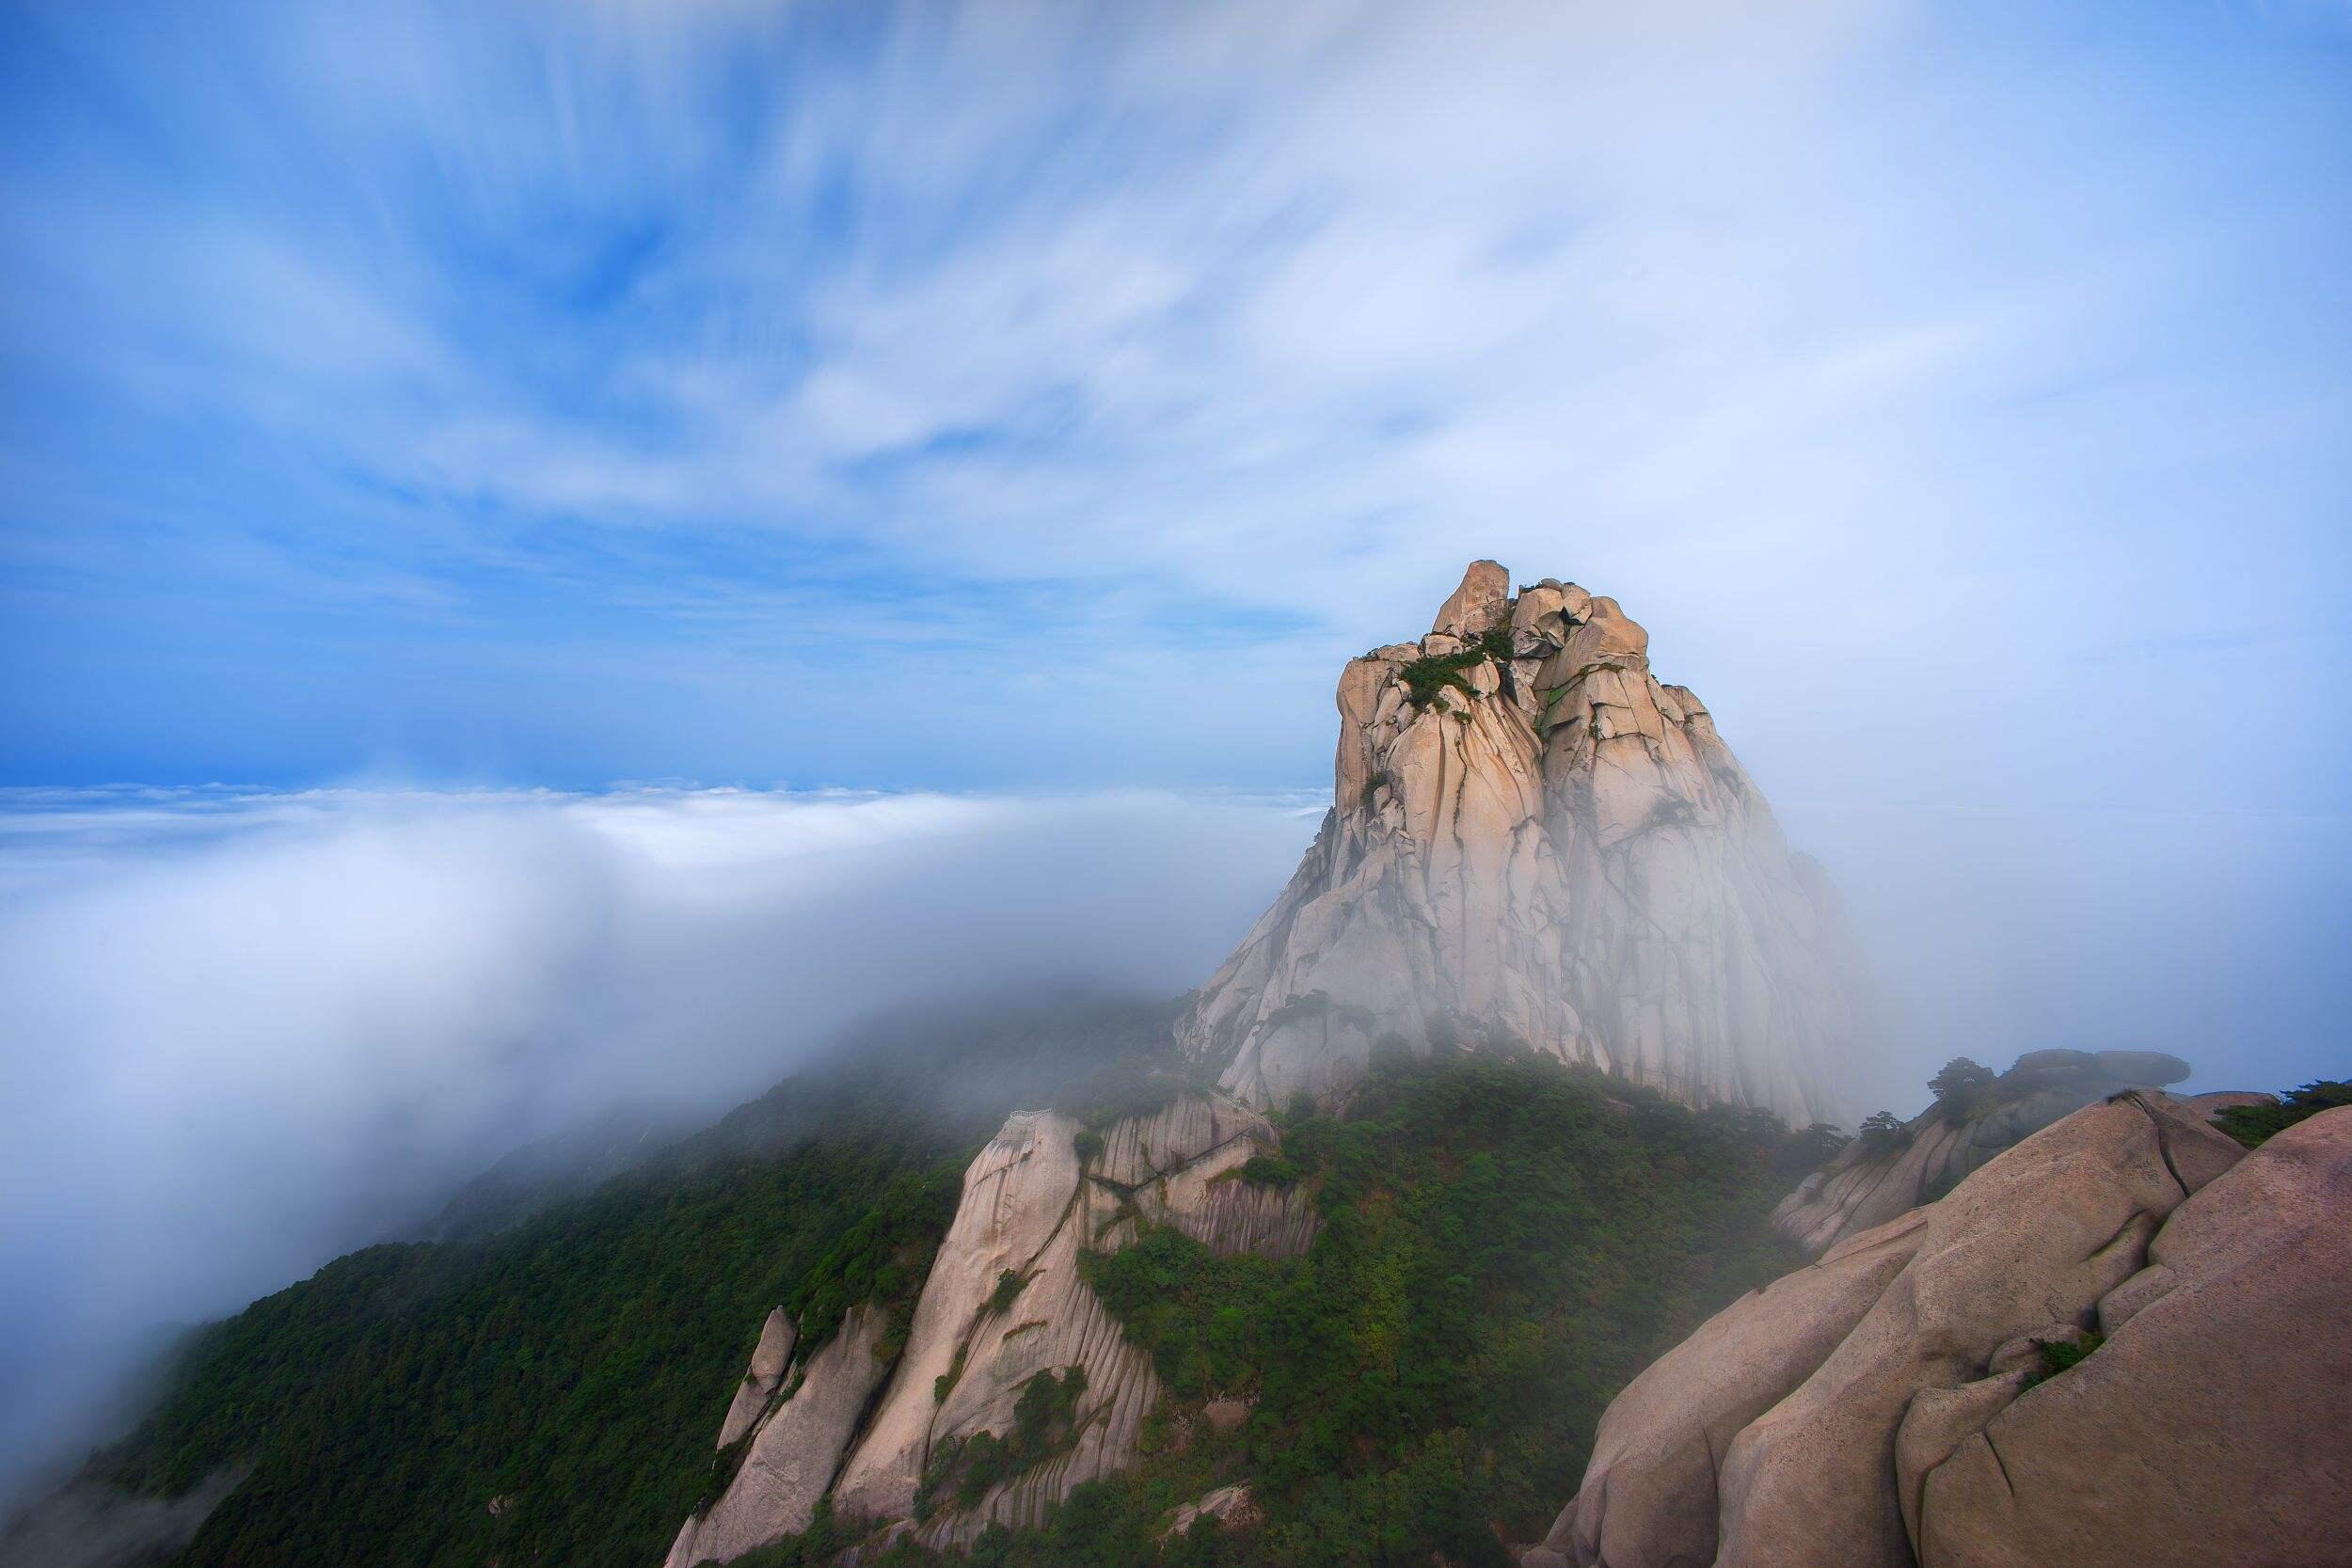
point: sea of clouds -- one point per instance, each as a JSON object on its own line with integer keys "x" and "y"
{"x": 242, "y": 1032}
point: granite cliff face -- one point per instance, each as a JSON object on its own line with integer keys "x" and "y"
{"x": 1004, "y": 1303}
{"x": 1894, "y": 1403}
{"x": 1533, "y": 843}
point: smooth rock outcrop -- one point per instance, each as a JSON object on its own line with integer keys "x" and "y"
{"x": 1533, "y": 843}
{"x": 793, "y": 1453}
{"x": 2215, "y": 1425}
{"x": 1228, "y": 1506}
{"x": 765, "y": 1376}
{"x": 1871, "y": 1182}
{"x": 1649, "y": 1492}
{"x": 1873, "y": 1410}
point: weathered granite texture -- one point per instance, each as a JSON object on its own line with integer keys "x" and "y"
{"x": 1032, "y": 1204}
{"x": 1554, "y": 851}
{"x": 794, "y": 1452}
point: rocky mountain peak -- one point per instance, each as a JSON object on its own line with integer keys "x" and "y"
{"x": 1483, "y": 598}
{"x": 1536, "y": 845}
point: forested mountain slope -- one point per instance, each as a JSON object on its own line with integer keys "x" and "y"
{"x": 1504, "y": 1242}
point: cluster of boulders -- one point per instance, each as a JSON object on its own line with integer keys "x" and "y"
{"x": 1535, "y": 842}
{"x": 1878, "y": 1176}
{"x": 2122, "y": 1342}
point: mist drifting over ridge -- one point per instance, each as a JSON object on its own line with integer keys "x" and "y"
{"x": 245, "y": 1032}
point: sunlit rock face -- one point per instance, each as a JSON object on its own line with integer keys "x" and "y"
{"x": 1004, "y": 1303}
{"x": 794, "y": 1450}
{"x": 1533, "y": 844}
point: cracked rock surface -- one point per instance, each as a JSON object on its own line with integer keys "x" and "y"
{"x": 1535, "y": 842}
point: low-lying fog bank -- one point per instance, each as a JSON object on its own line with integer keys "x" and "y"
{"x": 241, "y": 1033}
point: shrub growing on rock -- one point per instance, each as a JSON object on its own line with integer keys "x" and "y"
{"x": 1961, "y": 1089}
{"x": 2253, "y": 1125}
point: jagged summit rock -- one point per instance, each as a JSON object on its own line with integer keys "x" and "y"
{"x": 1535, "y": 844}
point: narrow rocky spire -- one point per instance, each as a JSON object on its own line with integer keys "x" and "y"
{"x": 1535, "y": 845}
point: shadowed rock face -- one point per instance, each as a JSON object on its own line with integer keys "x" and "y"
{"x": 1554, "y": 850}
{"x": 1873, "y": 1411}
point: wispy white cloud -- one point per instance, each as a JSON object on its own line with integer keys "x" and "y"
{"x": 643, "y": 311}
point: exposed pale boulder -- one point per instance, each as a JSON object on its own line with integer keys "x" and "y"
{"x": 1554, "y": 851}
{"x": 2214, "y": 1425}
{"x": 1799, "y": 1431}
{"x": 1650, "y": 1492}
{"x": 2036, "y": 1237}
{"x": 765, "y": 1376}
{"x": 1483, "y": 599}
{"x": 793, "y": 1454}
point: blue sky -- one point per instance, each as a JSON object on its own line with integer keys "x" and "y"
{"x": 936, "y": 395}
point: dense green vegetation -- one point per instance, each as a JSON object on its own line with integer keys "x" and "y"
{"x": 1506, "y": 1242}
{"x": 1963, "y": 1088}
{"x": 2253, "y": 1125}
{"x": 573, "y": 1369}
{"x": 1426, "y": 677}
{"x": 1883, "y": 1131}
